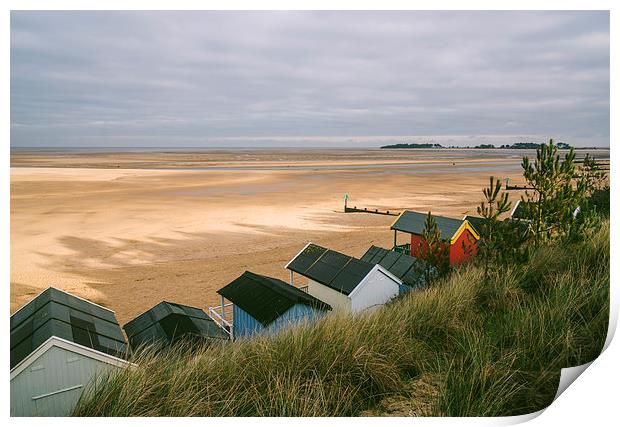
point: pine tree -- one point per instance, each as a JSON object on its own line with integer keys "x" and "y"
{"x": 554, "y": 196}
{"x": 494, "y": 238}
{"x": 495, "y": 204}
{"x": 434, "y": 249}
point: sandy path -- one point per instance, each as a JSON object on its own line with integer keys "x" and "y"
{"x": 129, "y": 238}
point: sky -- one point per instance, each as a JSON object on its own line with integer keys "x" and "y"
{"x": 305, "y": 79}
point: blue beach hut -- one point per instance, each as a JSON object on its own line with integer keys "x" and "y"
{"x": 262, "y": 304}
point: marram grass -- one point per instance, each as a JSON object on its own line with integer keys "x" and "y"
{"x": 491, "y": 346}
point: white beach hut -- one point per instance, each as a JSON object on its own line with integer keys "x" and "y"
{"x": 342, "y": 281}
{"x": 60, "y": 344}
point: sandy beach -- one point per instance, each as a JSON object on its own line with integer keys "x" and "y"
{"x": 130, "y": 229}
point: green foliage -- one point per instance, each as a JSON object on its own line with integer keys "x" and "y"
{"x": 493, "y": 237}
{"x": 559, "y": 204}
{"x": 501, "y": 241}
{"x": 599, "y": 201}
{"x": 435, "y": 249}
{"x": 489, "y": 350}
{"x": 496, "y": 202}
{"x": 593, "y": 178}
{"x": 565, "y": 202}
{"x": 555, "y": 197}
{"x": 594, "y": 205}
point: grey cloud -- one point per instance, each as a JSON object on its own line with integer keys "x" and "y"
{"x": 320, "y": 78}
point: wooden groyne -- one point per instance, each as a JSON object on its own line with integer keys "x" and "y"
{"x": 366, "y": 210}
{"x": 517, "y": 187}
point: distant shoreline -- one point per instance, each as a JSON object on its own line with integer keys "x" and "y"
{"x": 515, "y": 146}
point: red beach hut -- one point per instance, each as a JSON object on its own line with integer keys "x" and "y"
{"x": 458, "y": 234}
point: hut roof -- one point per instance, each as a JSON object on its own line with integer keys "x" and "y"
{"x": 414, "y": 222}
{"x": 406, "y": 267}
{"x": 57, "y": 313}
{"x": 266, "y": 298}
{"x": 168, "y": 322}
{"x": 522, "y": 210}
{"x": 333, "y": 269}
{"x": 476, "y": 222}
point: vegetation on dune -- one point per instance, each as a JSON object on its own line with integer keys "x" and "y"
{"x": 493, "y": 346}
{"x": 487, "y": 339}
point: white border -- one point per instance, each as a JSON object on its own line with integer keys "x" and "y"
{"x": 592, "y": 400}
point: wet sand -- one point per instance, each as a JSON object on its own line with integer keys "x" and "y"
{"x": 128, "y": 230}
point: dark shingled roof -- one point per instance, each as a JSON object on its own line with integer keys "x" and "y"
{"x": 338, "y": 271}
{"x": 266, "y": 298}
{"x": 521, "y": 211}
{"x": 57, "y": 313}
{"x": 168, "y": 322}
{"x": 476, "y": 222}
{"x": 413, "y": 222}
{"x": 407, "y": 268}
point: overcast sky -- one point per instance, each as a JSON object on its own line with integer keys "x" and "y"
{"x": 183, "y": 79}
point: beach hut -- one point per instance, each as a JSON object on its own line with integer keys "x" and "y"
{"x": 458, "y": 234}
{"x": 60, "y": 344}
{"x": 262, "y": 304}
{"x": 524, "y": 211}
{"x": 167, "y": 323}
{"x": 477, "y": 222}
{"x": 343, "y": 281}
{"x": 408, "y": 269}
{"x": 521, "y": 211}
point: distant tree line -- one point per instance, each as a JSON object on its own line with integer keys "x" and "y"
{"x": 532, "y": 146}
{"x": 515, "y": 146}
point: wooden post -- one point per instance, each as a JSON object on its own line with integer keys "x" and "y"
{"x": 291, "y": 271}
{"x": 222, "y": 304}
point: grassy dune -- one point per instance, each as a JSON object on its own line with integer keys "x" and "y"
{"x": 466, "y": 347}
